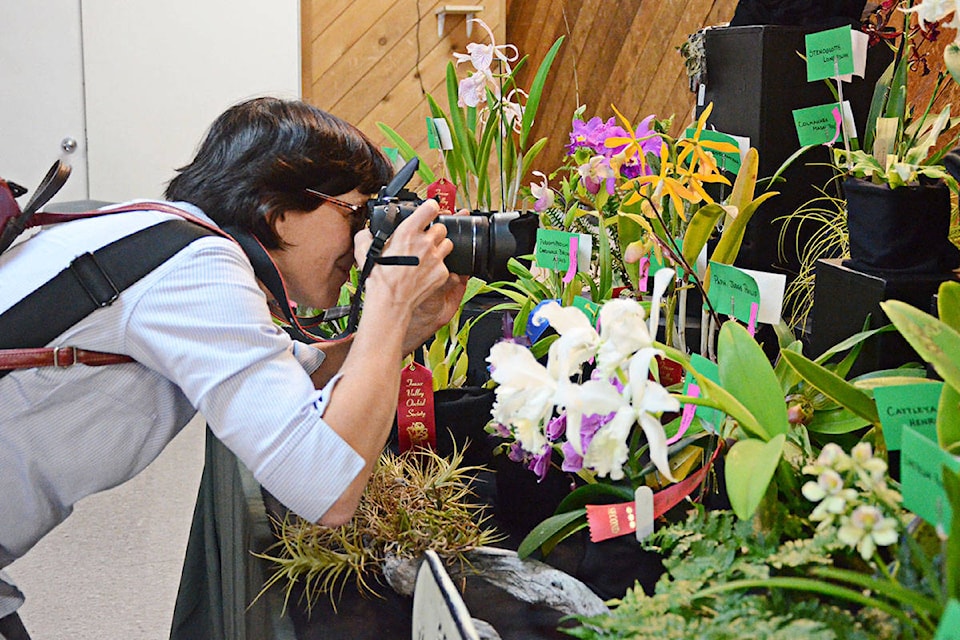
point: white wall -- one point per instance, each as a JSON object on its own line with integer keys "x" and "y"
{"x": 135, "y": 82}
{"x": 158, "y": 73}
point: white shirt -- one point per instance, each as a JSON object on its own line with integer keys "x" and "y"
{"x": 200, "y": 331}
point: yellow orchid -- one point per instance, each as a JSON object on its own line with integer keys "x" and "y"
{"x": 664, "y": 185}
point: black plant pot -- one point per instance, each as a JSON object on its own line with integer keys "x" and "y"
{"x": 903, "y": 230}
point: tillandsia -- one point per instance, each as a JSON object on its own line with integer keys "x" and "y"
{"x": 414, "y": 501}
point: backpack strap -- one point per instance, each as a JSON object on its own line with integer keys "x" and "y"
{"x": 91, "y": 281}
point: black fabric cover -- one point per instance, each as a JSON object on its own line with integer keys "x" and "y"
{"x": 797, "y": 12}
{"x": 903, "y": 230}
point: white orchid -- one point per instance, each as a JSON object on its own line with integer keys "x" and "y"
{"x": 866, "y": 529}
{"x": 623, "y": 332}
{"x": 472, "y": 90}
{"x": 936, "y": 10}
{"x": 578, "y": 341}
{"x": 621, "y": 393}
{"x": 542, "y": 193}
{"x": 525, "y": 395}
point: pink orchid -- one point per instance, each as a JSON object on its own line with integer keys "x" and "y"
{"x": 542, "y": 192}
{"x": 597, "y": 172}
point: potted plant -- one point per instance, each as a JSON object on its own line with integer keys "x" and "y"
{"x": 897, "y": 189}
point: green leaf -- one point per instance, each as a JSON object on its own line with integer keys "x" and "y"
{"x": 749, "y": 467}
{"x": 948, "y": 304}
{"x": 595, "y": 493}
{"x": 836, "y": 422}
{"x": 732, "y": 237}
{"x": 951, "y": 485}
{"x": 834, "y": 387}
{"x": 548, "y": 529}
{"x": 460, "y": 134}
{"x": 934, "y": 340}
{"x": 426, "y": 174}
{"x": 536, "y": 92}
{"x": 699, "y": 230}
{"x": 785, "y": 373}
{"x": 851, "y": 342}
{"x": 887, "y": 588}
{"x": 746, "y": 373}
{"x": 948, "y": 420}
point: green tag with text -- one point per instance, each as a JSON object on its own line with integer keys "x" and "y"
{"x": 393, "y": 154}
{"x": 732, "y": 292}
{"x": 816, "y": 125}
{"x": 590, "y": 309}
{"x": 433, "y": 140}
{"x": 908, "y": 405}
{"x": 829, "y": 53}
{"x": 921, "y": 478}
{"x": 553, "y": 249}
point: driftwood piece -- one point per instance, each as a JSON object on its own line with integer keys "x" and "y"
{"x": 527, "y": 580}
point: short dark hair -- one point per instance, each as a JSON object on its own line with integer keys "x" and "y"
{"x": 259, "y": 156}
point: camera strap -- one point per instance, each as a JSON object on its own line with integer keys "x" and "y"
{"x": 266, "y": 271}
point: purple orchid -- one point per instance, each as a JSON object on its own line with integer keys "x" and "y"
{"x": 540, "y": 463}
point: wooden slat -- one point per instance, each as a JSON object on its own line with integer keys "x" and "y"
{"x": 360, "y": 58}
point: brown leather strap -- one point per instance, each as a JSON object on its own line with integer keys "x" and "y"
{"x": 57, "y": 357}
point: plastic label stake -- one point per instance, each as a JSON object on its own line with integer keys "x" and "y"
{"x": 688, "y": 412}
{"x": 643, "y": 500}
{"x": 572, "y": 267}
{"x": 752, "y": 323}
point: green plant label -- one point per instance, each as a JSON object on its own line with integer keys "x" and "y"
{"x": 393, "y": 154}
{"x": 921, "y": 478}
{"x": 908, "y": 405}
{"x": 553, "y": 249}
{"x": 732, "y": 292}
{"x": 829, "y": 53}
{"x": 949, "y": 627}
{"x": 727, "y": 161}
{"x": 709, "y": 416}
{"x": 433, "y": 140}
{"x": 818, "y": 125}
{"x": 590, "y": 309}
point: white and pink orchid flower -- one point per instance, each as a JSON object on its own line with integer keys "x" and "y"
{"x": 622, "y": 333}
{"x": 525, "y": 395}
{"x": 542, "y": 193}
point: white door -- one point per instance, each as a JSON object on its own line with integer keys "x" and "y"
{"x": 134, "y": 87}
{"x": 41, "y": 93}
{"x": 158, "y": 73}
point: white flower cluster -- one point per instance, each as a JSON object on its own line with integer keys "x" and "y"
{"x": 594, "y": 419}
{"x": 853, "y": 495}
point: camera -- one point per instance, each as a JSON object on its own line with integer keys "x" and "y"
{"x": 482, "y": 243}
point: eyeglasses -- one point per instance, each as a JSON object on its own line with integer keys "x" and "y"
{"x": 355, "y": 213}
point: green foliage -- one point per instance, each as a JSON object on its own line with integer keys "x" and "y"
{"x": 714, "y": 548}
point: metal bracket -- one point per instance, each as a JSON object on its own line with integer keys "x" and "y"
{"x": 468, "y": 10}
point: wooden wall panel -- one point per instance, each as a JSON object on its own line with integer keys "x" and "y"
{"x": 373, "y": 60}
{"x": 622, "y": 53}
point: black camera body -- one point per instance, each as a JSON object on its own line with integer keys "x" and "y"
{"x": 482, "y": 242}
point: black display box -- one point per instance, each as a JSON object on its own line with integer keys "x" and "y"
{"x": 756, "y": 77}
{"x": 844, "y": 297}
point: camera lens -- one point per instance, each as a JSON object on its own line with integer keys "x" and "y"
{"x": 483, "y": 244}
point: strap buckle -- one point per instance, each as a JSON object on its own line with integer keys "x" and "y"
{"x": 94, "y": 280}
{"x": 56, "y": 357}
